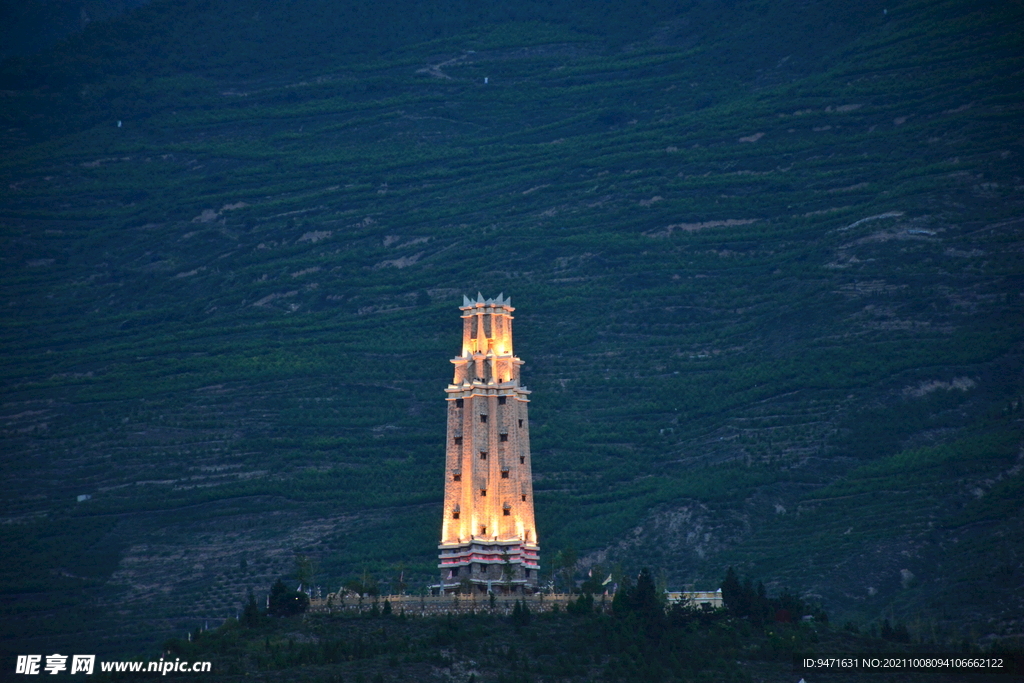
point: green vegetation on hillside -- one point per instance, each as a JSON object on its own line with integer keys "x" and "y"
{"x": 635, "y": 638}
{"x": 766, "y": 265}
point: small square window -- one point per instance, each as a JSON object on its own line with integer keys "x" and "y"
{"x": 520, "y": 424}
{"x": 455, "y": 571}
{"x": 483, "y": 455}
{"x": 483, "y": 419}
{"x": 455, "y": 515}
{"x": 458, "y": 441}
{"x": 483, "y": 530}
{"x": 458, "y": 403}
{"x": 504, "y": 474}
{"x": 456, "y": 477}
{"x": 501, "y": 400}
{"x": 524, "y": 497}
{"x": 483, "y": 493}
{"x": 508, "y": 512}
{"x": 522, "y": 459}
{"x": 504, "y": 437}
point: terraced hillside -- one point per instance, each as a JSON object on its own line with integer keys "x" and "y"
{"x": 769, "y": 293}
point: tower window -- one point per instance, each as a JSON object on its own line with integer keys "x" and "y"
{"x": 483, "y": 530}
{"x": 483, "y": 455}
{"x": 522, "y": 459}
{"x": 458, "y": 441}
{"x": 504, "y": 474}
{"x": 501, "y": 400}
{"x": 458, "y": 403}
{"x": 504, "y": 437}
{"x": 483, "y": 419}
{"x": 524, "y": 497}
{"x": 455, "y": 571}
{"x": 455, "y": 515}
{"x": 527, "y": 573}
{"x": 508, "y": 512}
{"x": 520, "y": 424}
{"x": 457, "y": 477}
{"x": 483, "y": 493}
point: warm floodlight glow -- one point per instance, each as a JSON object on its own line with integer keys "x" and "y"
{"x": 487, "y": 413}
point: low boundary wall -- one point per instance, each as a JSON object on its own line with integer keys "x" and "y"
{"x": 432, "y": 605}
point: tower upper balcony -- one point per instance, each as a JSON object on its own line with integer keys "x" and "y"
{"x": 487, "y": 357}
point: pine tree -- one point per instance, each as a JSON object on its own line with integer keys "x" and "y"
{"x": 284, "y": 602}
{"x": 731, "y": 589}
{"x": 251, "y": 615}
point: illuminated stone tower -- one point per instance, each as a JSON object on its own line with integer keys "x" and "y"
{"x": 488, "y": 537}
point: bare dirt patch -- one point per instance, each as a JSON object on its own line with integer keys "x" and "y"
{"x": 306, "y": 271}
{"x": 925, "y": 388}
{"x": 693, "y": 227}
{"x": 207, "y": 216}
{"x": 273, "y": 297}
{"x": 315, "y": 236}
{"x": 403, "y": 262}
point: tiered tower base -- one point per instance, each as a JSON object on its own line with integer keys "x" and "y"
{"x": 483, "y": 566}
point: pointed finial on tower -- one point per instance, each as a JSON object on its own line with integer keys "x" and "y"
{"x": 479, "y": 298}
{"x": 466, "y": 301}
{"x": 499, "y": 301}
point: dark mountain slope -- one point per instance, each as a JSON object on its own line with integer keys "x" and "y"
{"x": 109, "y": 68}
{"x": 771, "y": 308}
